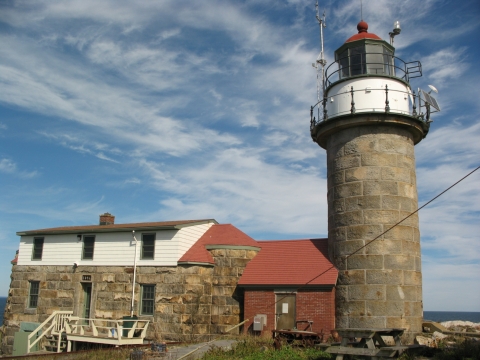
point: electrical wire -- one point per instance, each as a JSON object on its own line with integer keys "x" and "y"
{"x": 377, "y": 237}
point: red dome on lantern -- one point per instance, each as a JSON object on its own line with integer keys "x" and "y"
{"x": 362, "y": 28}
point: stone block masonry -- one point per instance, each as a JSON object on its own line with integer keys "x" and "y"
{"x": 191, "y": 301}
{"x": 372, "y": 186}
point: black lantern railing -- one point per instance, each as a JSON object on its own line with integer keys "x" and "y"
{"x": 374, "y": 64}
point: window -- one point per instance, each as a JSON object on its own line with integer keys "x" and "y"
{"x": 389, "y": 61}
{"x": 88, "y": 246}
{"x": 37, "y": 249}
{"x": 148, "y": 300}
{"x": 343, "y": 61}
{"x": 33, "y": 296}
{"x": 375, "y": 62}
{"x": 148, "y": 246}
{"x": 368, "y": 58}
{"x": 357, "y": 61}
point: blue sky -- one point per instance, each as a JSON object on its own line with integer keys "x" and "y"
{"x": 168, "y": 110}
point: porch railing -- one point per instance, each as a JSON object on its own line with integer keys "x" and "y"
{"x": 53, "y": 325}
{"x": 106, "y": 328}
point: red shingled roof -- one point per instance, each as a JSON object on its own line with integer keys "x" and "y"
{"x": 224, "y": 234}
{"x": 291, "y": 262}
{"x": 116, "y": 227}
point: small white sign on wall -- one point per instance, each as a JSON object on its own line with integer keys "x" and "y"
{"x": 285, "y": 308}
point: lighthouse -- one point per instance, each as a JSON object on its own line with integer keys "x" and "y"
{"x": 369, "y": 120}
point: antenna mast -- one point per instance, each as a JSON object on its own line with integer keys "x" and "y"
{"x": 320, "y": 61}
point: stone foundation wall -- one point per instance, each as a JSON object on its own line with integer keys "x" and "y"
{"x": 191, "y": 301}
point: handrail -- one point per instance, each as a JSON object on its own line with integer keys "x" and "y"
{"x": 412, "y": 111}
{"x": 63, "y": 321}
{"x": 74, "y": 326}
{"x": 39, "y": 338}
{"x": 55, "y": 324}
{"x": 393, "y": 65}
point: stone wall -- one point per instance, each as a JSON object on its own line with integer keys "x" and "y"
{"x": 191, "y": 301}
{"x": 372, "y": 186}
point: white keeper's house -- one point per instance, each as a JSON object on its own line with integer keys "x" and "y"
{"x": 186, "y": 275}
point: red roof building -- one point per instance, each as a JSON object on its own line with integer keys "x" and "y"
{"x": 217, "y": 237}
{"x": 291, "y": 262}
{"x": 292, "y": 282}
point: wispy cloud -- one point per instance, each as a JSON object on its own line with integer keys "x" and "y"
{"x": 446, "y": 64}
{"x": 201, "y": 109}
{"x": 84, "y": 145}
{"x": 7, "y": 166}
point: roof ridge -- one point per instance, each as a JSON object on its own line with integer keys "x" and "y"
{"x": 292, "y": 240}
{"x": 113, "y": 227}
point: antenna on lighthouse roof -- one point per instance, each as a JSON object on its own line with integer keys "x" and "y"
{"x": 320, "y": 59}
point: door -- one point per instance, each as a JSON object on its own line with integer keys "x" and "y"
{"x": 285, "y": 311}
{"x": 87, "y": 300}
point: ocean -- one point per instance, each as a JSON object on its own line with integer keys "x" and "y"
{"x": 437, "y": 316}
{"x": 3, "y": 301}
{"x": 440, "y": 316}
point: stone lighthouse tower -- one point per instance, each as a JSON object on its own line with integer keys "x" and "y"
{"x": 368, "y": 123}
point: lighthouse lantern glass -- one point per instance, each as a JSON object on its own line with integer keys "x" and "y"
{"x": 357, "y": 61}
{"x": 368, "y": 58}
{"x": 375, "y": 62}
{"x": 343, "y": 62}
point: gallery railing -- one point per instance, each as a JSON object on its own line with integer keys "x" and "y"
{"x": 375, "y": 64}
{"x": 381, "y": 101}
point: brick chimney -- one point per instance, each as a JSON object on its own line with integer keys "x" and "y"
{"x": 107, "y": 219}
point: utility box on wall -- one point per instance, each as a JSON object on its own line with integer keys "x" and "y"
{"x": 259, "y": 322}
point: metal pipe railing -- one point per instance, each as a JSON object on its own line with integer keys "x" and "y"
{"x": 391, "y": 67}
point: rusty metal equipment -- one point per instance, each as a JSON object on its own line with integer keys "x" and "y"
{"x": 295, "y": 337}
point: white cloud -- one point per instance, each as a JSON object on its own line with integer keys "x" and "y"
{"x": 169, "y": 33}
{"x": 84, "y": 145}
{"x": 446, "y": 64}
{"x": 133, "y": 181}
{"x": 7, "y": 166}
{"x": 205, "y": 104}
{"x": 247, "y": 191}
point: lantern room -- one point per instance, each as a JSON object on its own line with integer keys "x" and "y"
{"x": 365, "y": 53}
{"x": 366, "y": 77}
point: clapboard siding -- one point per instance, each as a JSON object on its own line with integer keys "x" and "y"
{"x": 189, "y": 235}
{"x": 112, "y": 248}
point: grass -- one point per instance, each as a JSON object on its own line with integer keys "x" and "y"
{"x": 99, "y": 354}
{"x": 286, "y": 353}
{"x": 248, "y": 348}
{"x": 462, "y": 350}
{"x": 254, "y": 348}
